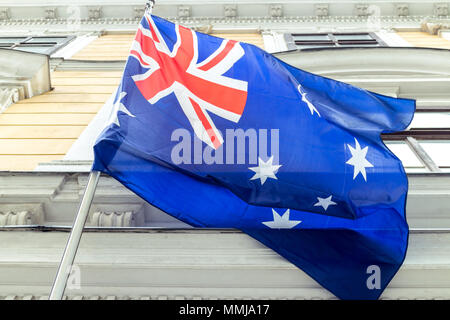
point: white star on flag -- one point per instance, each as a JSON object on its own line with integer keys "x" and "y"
{"x": 358, "y": 160}
{"x": 324, "y": 202}
{"x": 311, "y": 107}
{"x": 281, "y": 222}
{"x": 265, "y": 170}
{"x": 118, "y": 106}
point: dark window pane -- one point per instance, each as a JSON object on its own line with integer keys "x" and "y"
{"x": 35, "y": 49}
{"x": 360, "y": 42}
{"x": 316, "y": 46}
{"x": 306, "y": 43}
{"x": 310, "y": 37}
{"x": 359, "y": 45}
{"x": 320, "y": 40}
{"x": 47, "y": 40}
{"x": 349, "y": 36}
{"x": 12, "y": 40}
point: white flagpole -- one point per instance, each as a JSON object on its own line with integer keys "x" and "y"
{"x": 59, "y": 285}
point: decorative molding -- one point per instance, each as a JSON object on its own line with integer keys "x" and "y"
{"x": 60, "y": 193}
{"x": 276, "y": 10}
{"x": 51, "y": 13}
{"x": 297, "y": 21}
{"x": 21, "y": 214}
{"x": 230, "y": 10}
{"x": 4, "y": 14}
{"x": 402, "y": 9}
{"x": 8, "y": 96}
{"x": 433, "y": 26}
{"x": 123, "y": 13}
{"x": 193, "y": 264}
{"x": 362, "y": 10}
{"x": 138, "y": 12}
{"x": 322, "y": 10}
{"x": 396, "y": 295}
{"x": 205, "y": 28}
{"x": 95, "y": 13}
{"x": 20, "y": 218}
{"x": 284, "y": 23}
{"x": 441, "y": 9}
{"x": 184, "y": 11}
{"x": 122, "y": 219}
{"x": 112, "y": 219}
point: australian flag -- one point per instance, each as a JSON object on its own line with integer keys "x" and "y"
{"x": 221, "y": 134}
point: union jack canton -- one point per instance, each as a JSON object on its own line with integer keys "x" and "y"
{"x": 198, "y": 86}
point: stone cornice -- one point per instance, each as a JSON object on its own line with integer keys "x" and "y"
{"x": 192, "y": 264}
{"x": 109, "y": 14}
{"x": 195, "y": 20}
{"x": 21, "y": 214}
{"x": 96, "y": 9}
{"x": 58, "y": 195}
{"x": 435, "y": 26}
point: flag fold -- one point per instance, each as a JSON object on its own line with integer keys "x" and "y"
{"x": 221, "y": 134}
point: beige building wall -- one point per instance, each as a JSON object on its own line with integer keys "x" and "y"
{"x": 117, "y": 46}
{"x": 107, "y": 47}
{"x": 424, "y": 39}
{"x": 43, "y": 128}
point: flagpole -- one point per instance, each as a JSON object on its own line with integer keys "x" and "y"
{"x": 59, "y": 285}
{"x": 65, "y": 266}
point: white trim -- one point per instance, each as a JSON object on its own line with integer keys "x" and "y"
{"x": 74, "y": 46}
{"x": 392, "y": 39}
{"x": 280, "y": 42}
{"x": 269, "y": 42}
{"x": 82, "y": 149}
{"x": 445, "y": 34}
{"x": 197, "y": 263}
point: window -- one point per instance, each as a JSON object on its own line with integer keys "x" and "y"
{"x": 422, "y": 150}
{"x": 331, "y": 40}
{"x": 407, "y": 156}
{"x": 439, "y": 151}
{"x": 433, "y": 120}
{"x": 45, "y": 45}
{"x": 425, "y": 145}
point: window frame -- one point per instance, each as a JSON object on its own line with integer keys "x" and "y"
{"x": 55, "y": 46}
{"x": 333, "y": 42}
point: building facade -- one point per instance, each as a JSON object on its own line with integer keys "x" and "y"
{"x": 60, "y": 63}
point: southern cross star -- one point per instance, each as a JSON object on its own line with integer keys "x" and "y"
{"x": 281, "y": 222}
{"x": 358, "y": 160}
{"x": 265, "y": 170}
{"x": 118, "y": 106}
{"x": 324, "y": 202}
{"x": 311, "y": 107}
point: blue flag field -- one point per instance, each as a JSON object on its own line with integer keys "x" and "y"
{"x": 221, "y": 134}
